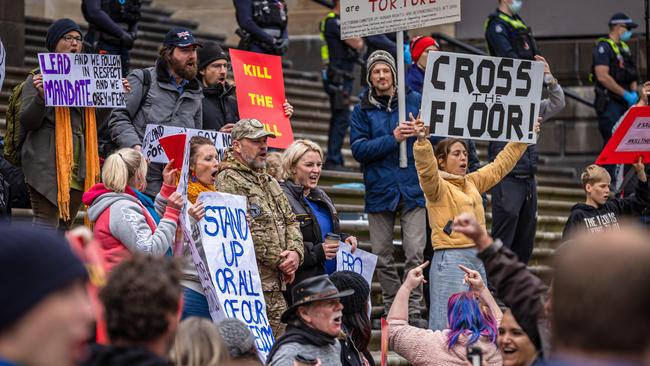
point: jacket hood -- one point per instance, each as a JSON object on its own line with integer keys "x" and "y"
{"x": 222, "y": 90}
{"x": 583, "y": 207}
{"x": 99, "y": 198}
{"x": 122, "y": 356}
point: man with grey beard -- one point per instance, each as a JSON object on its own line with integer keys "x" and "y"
{"x": 166, "y": 94}
{"x": 275, "y": 231}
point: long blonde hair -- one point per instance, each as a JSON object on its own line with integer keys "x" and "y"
{"x": 198, "y": 343}
{"x": 123, "y": 168}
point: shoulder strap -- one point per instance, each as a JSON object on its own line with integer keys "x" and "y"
{"x": 146, "y": 86}
{"x": 515, "y": 23}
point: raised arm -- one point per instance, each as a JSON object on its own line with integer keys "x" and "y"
{"x": 120, "y": 122}
{"x": 426, "y": 163}
{"x": 491, "y": 174}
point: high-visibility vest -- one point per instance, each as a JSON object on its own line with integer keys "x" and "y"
{"x": 324, "y": 50}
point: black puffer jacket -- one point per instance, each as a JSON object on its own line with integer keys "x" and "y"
{"x": 122, "y": 356}
{"x": 219, "y": 106}
{"x": 314, "y": 260}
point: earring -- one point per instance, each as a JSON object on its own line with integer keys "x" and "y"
{"x": 193, "y": 178}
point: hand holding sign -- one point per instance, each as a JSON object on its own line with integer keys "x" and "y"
{"x": 473, "y": 279}
{"x": 175, "y": 200}
{"x": 415, "y": 277}
{"x": 352, "y": 240}
{"x": 38, "y": 84}
{"x": 169, "y": 174}
{"x": 197, "y": 211}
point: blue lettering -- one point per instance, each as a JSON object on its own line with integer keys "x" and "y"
{"x": 211, "y": 219}
{"x": 246, "y": 284}
{"x": 351, "y": 262}
{"x": 241, "y": 217}
{"x": 263, "y": 337}
{"x": 224, "y": 278}
{"x": 231, "y": 307}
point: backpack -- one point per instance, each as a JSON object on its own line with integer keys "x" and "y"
{"x": 14, "y": 136}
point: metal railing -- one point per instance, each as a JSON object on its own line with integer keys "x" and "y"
{"x": 477, "y": 51}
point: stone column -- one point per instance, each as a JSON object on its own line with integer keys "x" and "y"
{"x": 12, "y": 30}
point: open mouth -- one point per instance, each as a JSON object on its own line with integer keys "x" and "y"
{"x": 313, "y": 179}
{"x": 509, "y": 350}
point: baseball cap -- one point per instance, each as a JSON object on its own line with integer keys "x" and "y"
{"x": 249, "y": 128}
{"x": 180, "y": 37}
{"x": 623, "y": 19}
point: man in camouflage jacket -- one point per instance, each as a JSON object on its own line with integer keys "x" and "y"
{"x": 275, "y": 231}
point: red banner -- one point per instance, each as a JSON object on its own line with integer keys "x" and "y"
{"x": 630, "y": 140}
{"x": 260, "y": 93}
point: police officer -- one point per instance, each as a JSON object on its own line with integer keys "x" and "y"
{"x": 262, "y": 26}
{"x": 514, "y": 199}
{"x": 113, "y": 26}
{"x": 506, "y": 33}
{"x": 615, "y": 74}
{"x": 339, "y": 57}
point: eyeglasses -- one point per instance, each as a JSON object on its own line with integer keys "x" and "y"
{"x": 69, "y": 39}
{"x": 226, "y": 66}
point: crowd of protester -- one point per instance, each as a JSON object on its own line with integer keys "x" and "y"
{"x": 153, "y": 309}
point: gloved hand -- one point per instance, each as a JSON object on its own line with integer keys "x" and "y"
{"x": 631, "y": 97}
{"x": 127, "y": 40}
{"x": 281, "y": 45}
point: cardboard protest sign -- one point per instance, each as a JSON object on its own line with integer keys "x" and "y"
{"x": 3, "y": 57}
{"x": 630, "y": 140}
{"x": 260, "y": 93}
{"x": 360, "y": 261}
{"x": 481, "y": 97}
{"x": 366, "y": 18}
{"x": 187, "y": 236}
{"x": 82, "y": 80}
{"x": 155, "y": 153}
{"x": 228, "y": 246}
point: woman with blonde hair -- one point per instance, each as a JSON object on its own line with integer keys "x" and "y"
{"x": 122, "y": 223}
{"x": 198, "y": 343}
{"x": 302, "y": 164}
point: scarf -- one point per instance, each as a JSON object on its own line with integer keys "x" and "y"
{"x": 301, "y": 334}
{"x": 65, "y": 155}
{"x": 148, "y": 204}
{"x": 194, "y": 188}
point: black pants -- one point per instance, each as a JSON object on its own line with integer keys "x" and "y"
{"x": 514, "y": 214}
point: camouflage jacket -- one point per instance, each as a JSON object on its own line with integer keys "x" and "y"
{"x": 273, "y": 225}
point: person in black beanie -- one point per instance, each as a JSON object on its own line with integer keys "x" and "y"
{"x": 46, "y": 314}
{"x": 356, "y": 320}
{"x": 220, "y": 110}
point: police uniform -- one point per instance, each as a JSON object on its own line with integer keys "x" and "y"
{"x": 514, "y": 199}
{"x": 273, "y": 225}
{"x": 113, "y": 25}
{"x": 609, "y": 106}
{"x": 338, "y": 61}
{"x": 262, "y": 26}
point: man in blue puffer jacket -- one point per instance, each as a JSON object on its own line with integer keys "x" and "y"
{"x": 375, "y": 134}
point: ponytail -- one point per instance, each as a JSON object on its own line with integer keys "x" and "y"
{"x": 123, "y": 168}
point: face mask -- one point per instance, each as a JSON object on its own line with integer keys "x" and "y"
{"x": 515, "y": 6}
{"x": 626, "y": 36}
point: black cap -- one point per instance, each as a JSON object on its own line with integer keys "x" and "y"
{"x": 210, "y": 52}
{"x": 622, "y": 19}
{"x": 180, "y": 37}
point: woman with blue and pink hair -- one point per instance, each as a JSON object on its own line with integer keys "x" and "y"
{"x": 473, "y": 319}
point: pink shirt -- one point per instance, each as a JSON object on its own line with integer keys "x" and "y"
{"x": 424, "y": 347}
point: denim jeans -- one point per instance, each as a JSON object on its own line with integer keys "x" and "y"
{"x": 446, "y": 279}
{"x": 194, "y": 304}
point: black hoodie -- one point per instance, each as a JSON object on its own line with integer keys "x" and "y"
{"x": 607, "y": 217}
{"x": 219, "y": 106}
{"x": 122, "y": 356}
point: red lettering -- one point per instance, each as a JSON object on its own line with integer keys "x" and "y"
{"x": 372, "y": 2}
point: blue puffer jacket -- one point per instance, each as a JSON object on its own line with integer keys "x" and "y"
{"x": 375, "y": 147}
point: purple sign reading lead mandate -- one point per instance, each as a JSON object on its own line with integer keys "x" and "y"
{"x": 82, "y": 80}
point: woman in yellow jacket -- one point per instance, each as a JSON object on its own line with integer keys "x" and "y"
{"x": 450, "y": 191}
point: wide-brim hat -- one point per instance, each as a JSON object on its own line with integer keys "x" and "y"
{"x": 313, "y": 289}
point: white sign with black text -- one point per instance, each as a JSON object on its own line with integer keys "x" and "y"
{"x": 482, "y": 97}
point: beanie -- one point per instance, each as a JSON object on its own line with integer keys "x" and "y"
{"x": 210, "y": 52}
{"x": 383, "y": 57}
{"x": 33, "y": 265}
{"x": 237, "y": 336}
{"x": 345, "y": 280}
{"x": 419, "y": 44}
{"x": 57, "y": 30}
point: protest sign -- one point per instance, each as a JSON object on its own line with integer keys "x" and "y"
{"x": 82, "y": 80}
{"x": 260, "y": 93}
{"x": 481, "y": 97}
{"x": 360, "y": 261}
{"x": 3, "y": 57}
{"x": 174, "y": 147}
{"x": 155, "y": 153}
{"x": 630, "y": 140}
{"x": 365, "y": 18}
{"x": 230, "y": 254}
{"x": 186, "y": 237}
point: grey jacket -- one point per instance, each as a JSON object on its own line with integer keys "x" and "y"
{"x": 329, "y": 355}
{"x": 163, "y": 105}
{"x": 38, "y": 152}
